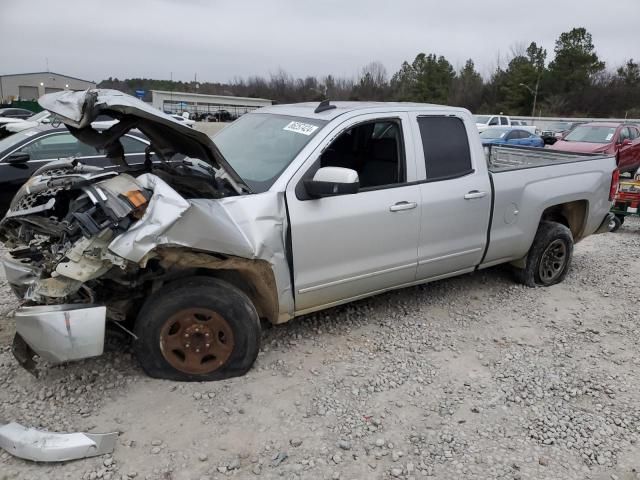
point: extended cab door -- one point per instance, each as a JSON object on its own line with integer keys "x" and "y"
{"x": 348, "y": 246}
{"x": 455, "y": 195}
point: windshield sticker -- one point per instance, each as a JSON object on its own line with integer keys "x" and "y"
{"x": 609, "y": 137}
{"x": 299, "y": 127}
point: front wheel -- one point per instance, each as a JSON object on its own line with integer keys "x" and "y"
{"x": 549, "y": 257}
{"x": 198, "y": 329}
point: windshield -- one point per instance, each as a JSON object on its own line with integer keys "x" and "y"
{"x": 259, "y": 147}
{"x": 494, "y": 133}
{"x": 38, "y": 116}
{"x": 482, "y": 119}
{"x": 591, "y": 134}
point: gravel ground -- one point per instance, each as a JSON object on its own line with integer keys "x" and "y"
{"x": 473, "y": 377}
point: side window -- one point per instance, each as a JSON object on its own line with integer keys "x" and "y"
{"x": 624, "y": 135}
{"x": 132, "y": 144}
{"x": 493, "y": 121}
{"x": 523, "y": 134}
{"x": 446, "y": 147}
{"x": 59, "y": 145}
{"x": 504, "y": 121}
{"x": 634, "y": 133}
{"x": 373, "y": 149}
{"x": 513, "y": 135}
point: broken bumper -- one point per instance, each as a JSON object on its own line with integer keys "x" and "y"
{"x": 61, "y": 333}
{"x": 39, "y": 446}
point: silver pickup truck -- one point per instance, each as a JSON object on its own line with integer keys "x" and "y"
{"x": 289, "y": 210}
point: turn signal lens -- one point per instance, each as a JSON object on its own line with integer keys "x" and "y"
{"x": 136, "y": 198}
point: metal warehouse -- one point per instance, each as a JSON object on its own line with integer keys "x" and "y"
{"x": 176, "y": 102}
{"x": 30, "y": 86}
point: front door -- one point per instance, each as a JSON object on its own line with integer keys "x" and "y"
{"x": 353, "y": 245}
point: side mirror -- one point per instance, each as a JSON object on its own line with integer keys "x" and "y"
{"x": 18, "y": 157}
{"x": 331, "y": 181}
{"x": 625, "y": 142}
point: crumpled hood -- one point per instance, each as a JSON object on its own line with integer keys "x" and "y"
{"x": 168, "y": 137}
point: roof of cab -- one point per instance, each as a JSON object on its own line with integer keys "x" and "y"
{"x": 307, "y": 109}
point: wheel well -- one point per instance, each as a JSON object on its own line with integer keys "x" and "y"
{"x": 571, "y": 214}
{"x": 254, "y": 277}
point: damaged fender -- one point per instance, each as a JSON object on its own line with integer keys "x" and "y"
{"x": 250, "y": 227}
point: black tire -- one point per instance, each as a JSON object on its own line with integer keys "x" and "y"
{"x": 544, "y": 265}
{"x": 618, "y": 220}
{"x": 236, "y": 337}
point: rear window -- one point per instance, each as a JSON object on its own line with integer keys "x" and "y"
{"x": 446, "y": 147}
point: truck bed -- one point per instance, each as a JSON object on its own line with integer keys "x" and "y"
{"x": 508, "y": 158}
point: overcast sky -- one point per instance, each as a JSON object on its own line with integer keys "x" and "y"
{"x": 220, "y": 40}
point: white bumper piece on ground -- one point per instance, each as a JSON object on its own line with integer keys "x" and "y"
{"x": 39, "y": 446}
{"x": 61, "y": 333}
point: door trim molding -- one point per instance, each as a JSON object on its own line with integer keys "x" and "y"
{"x": 314, "y": 288}
{"x": 450, "y": 255}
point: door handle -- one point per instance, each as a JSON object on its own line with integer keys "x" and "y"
{"x": 398, "y": 207}
{"x": 474, "y": 194}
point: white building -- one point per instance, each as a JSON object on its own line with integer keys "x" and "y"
{"x": 30, "y": 86}
{"x": 178, "y": 102}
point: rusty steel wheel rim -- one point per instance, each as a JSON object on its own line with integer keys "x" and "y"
{"x": 196, "y": 340}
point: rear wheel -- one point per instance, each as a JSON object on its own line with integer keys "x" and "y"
{"x": 198, "y": 329}
{"x": 618, "y": 220}
{"x": 549, "y": 257}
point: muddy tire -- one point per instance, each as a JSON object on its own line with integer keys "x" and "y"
{"x": 197, "y": 329}
{"x": 549, "y": 257}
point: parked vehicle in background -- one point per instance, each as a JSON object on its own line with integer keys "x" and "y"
{"x": 626, "y": 202}
{"x": 24, "y": 152}
{"x": 21, "y": 113}
{"x": 556, "y": 130}
{"x": 483, "y": 122}
{"x": 218, "y": 116}
{"x": 17, "y": 125}
{"x": 46, "y": 118}
{"x": 182, "y": 119}
{"x": 619, "y": 139}
{"x": 510, "y": 136}
{"x": 288, "y": 210}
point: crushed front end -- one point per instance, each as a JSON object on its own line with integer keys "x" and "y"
{"x": 57, "y": 233}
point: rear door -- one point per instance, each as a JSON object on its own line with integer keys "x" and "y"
{"x": 455, "y": 196}
{"x": 349, "y": 246}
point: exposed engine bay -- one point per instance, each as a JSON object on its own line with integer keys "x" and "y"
{"x": 63, "y": 219}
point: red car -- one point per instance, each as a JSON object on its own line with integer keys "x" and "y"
{"x": 619, "y": 139}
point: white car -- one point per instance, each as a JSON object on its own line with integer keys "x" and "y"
{"x": 184, "y": 119}
{"x": 484, "y": 122}
{"x": 18, "y": 125}
{"x": 14, "y": 125}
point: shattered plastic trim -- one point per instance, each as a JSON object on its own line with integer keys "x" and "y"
{"x": 40, "y": 446}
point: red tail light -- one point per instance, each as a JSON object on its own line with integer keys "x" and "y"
{"x": 615, "y": 182}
